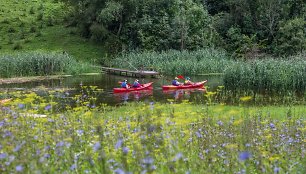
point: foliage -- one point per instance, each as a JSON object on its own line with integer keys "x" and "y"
{"x": 291, "y": 37}
{"x": 148, "y": 25}
{"x": 262, "y": 18}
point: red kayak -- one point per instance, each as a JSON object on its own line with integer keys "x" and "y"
{"x": 195, "y": 85}
{"x": 142, "y": 87}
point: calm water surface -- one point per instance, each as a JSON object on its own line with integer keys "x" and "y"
{"x": 108, "y": 82}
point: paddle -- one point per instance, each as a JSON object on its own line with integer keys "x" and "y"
{"x": 181, "y": 77}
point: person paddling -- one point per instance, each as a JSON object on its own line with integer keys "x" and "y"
{"x": 175, "y": 82}
{"x": 136, "y": 84}
{"x": 125, "y": 84}
{"x": 188, "y": 81}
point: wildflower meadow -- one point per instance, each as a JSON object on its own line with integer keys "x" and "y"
{"x": 60, "y": 133}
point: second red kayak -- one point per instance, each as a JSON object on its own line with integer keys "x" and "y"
{"x": 143, "y": 87}
{"x": 195, "y": 85}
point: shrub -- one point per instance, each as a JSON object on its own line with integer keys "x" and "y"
{"x": 32, "y": 10}
{"x": 33, "y": 29}
{"x": 17, "y": 46}
{"x": 11, "y": 30}
{"x": 40, "y": 16}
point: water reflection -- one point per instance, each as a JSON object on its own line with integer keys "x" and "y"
{"x": 181, "y": 94}
{"x": 133, "y": 95}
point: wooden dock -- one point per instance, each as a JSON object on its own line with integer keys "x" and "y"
{"x": 124, "y": 72}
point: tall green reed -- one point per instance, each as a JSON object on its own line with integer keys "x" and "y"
{"x": 39, "y": 63}
{"x": 269, "y": 75}
{"x": 174, "y": 62}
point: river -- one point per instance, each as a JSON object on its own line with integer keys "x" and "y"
{"x": 107, "y": 82}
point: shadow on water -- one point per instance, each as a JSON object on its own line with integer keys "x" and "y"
{"x": 107, "y": 82}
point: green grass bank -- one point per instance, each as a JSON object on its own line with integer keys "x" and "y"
{"x": 31, "y": 25}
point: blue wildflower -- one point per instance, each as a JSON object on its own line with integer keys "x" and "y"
{"x": 125, "y": 150}
{"x": 244, "y": 156}
{"x": 272, "y": 126}
{"x": 119, "y": 143}
{"x": 276, "y": 170}
{"x": 119, "y": 171}
{"x": 48, "y": 107}
{"x": 148, "y": 160}
{"x": 199, "y": 135}
{"x": 3, "y": 155}
{"x": 21, "y": 106}
{"x": 178, "y": 156}
{"x": 2, "y": 123}
{"x": 7, "y": 134}
{"x": 80, "y": 132}
{"x": 60, "y": 144}
{"x": 73, "y": 167}
{"x": 18, "y": 147}
{"x": 19, "y": 168}
{"x": 96, "y": 146}
{"x": 220, "y": 123}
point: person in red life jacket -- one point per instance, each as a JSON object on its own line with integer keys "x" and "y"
{"x": 125, "y": 84}
{"x": 136, "y": 84}
{"x": 175, "y": 82}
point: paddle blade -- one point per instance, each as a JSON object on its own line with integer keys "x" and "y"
{"x": 180, "y": 77}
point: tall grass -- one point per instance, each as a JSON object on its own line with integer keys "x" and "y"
{"x": 267, "y": 75}
{"x": 40, "y": 64}
{"x": 176, "y": 62}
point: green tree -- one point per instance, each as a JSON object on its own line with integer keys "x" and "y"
{"x": 291, "y": 37}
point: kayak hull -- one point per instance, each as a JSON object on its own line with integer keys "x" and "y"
{"x": 146, "y": 86}
{"x": 195, "y": 85}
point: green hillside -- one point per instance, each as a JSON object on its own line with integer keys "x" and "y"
{"x": 27, "y": 25}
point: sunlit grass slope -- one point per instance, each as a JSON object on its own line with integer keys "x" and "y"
{"x": 38, "y": 25}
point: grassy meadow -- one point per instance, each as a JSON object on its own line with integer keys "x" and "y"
{"x": 39, "y": 137}
{"x": 31, "y": 25}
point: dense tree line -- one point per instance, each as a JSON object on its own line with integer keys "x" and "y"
{"x": 246, "y": 28}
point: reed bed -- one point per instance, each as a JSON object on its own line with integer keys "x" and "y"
{"x": 40, "y": 64}
{"x": 277, "y": 76}
{"x": 148, "y": 137}
{"x": 176, "y": 62}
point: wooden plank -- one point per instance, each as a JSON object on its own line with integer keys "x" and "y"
{"x": 133, "y": 73}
